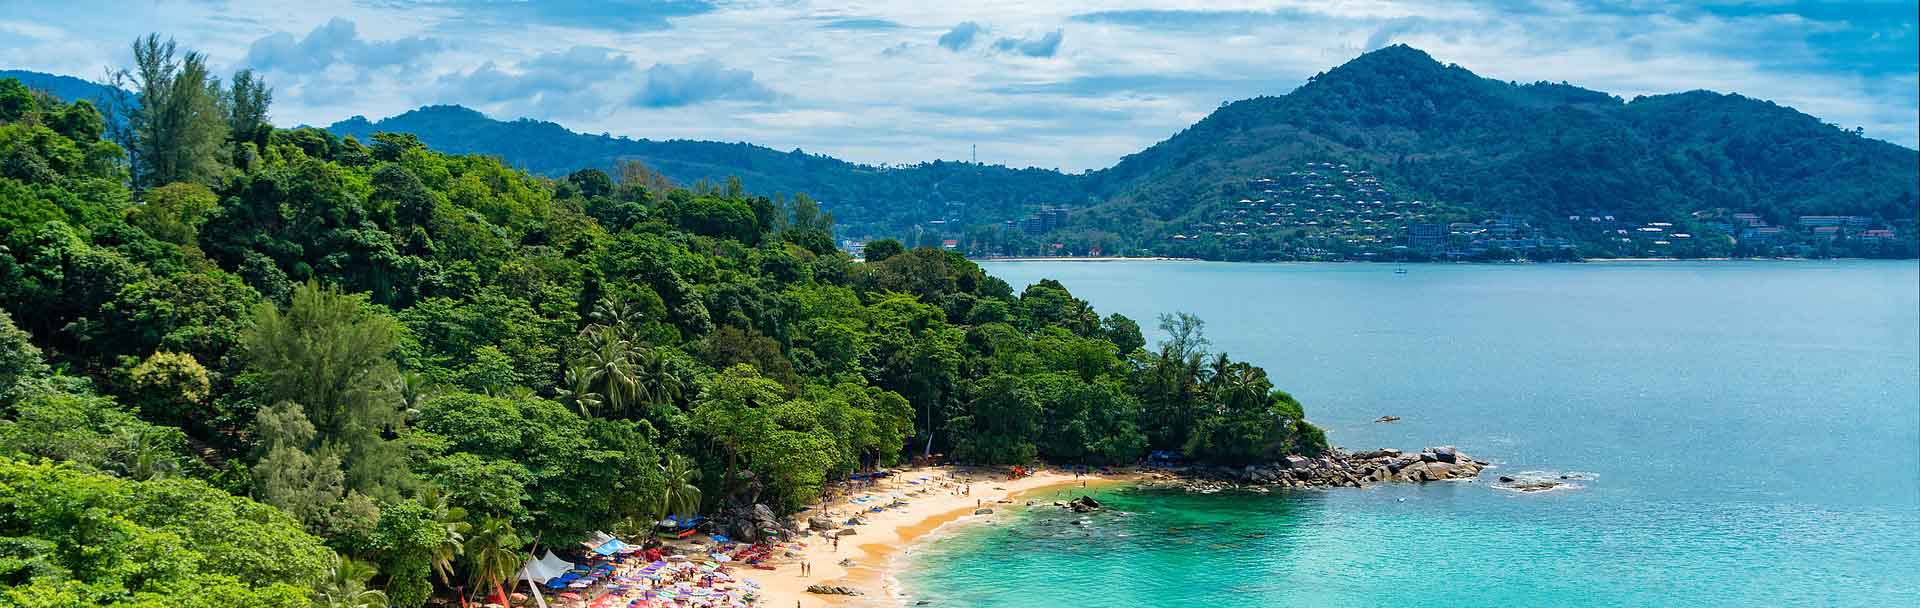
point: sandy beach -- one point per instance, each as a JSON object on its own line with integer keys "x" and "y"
{"x": 890, "y": 531}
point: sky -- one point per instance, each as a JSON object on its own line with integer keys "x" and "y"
{"x": 1059, "y": 84}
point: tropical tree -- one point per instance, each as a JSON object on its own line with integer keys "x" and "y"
{"x": 623, "y": 317}
{"x": 453, "y": 520}
{"x": 657, "y": 377}
{"x": 610, "y": 368}
{"x": 493, "y": 554}
{"x": 579, "y": 390}
{"x": 147, "y": 453}
{"x": 682, "y": 496}
{"x": 328, "y": 352}
{"x": 345, "y": 586}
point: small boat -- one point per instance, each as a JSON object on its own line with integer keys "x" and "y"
{"x": 1386, "y": 419}
{"x": 1399, "y": 271}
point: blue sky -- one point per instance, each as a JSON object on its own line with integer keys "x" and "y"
{"x": 1070, "y": 85}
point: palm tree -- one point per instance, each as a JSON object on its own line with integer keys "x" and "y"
{"x": 682, "y": 496}
{"x": 415, "y": 388}
{"x": 345, "y": 586}
{"x": 493, "y": 554}
{"x": 657, "y": 377}
{"x": 623, "y": 317}
{"x": 453, "y": 519}
{"x": 611, "y": 368}
{"x": 580, "y": 390}
{"x": 146, "y": 455}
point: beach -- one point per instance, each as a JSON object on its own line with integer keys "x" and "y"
{"x": 893, "y": 530}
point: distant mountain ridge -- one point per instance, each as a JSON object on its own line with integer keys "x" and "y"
{"x": 863, "y": 198}
{"x": 63, "y": 87}
{"x": 1429, "y": 130}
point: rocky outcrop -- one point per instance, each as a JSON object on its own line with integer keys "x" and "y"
{"x": 1083, "y": 504}
{"x": 833, "y": 590}
{"x": 983, "y": 511}
{"x": 1337, "y": 468}
{"x": 750, "y": 523}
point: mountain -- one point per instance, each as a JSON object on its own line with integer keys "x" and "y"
{"x": 864, "y": 199}
{"x": 1537, "y": 151}
{"x": 1465, "y": 148}
{"x": 63, "y": 87}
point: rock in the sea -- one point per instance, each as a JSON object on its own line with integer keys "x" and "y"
{"x": 1535, "y": 486}
{"x": 1506, "y": 479}
{"x": 1083, "y": 504}
{"x": 832, "y": 590}
{"x": 1445, "y": 453}
{"x": 983, "y": 511}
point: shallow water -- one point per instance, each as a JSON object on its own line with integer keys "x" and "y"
{"x": 1752, "y": 429}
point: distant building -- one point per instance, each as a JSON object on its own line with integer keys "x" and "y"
{"x": 950, "y": 244}
{"x": 1850, "y": 221}
{"x": 1048, "y": 219}
{"x": 1426, "y": 236}
{"x": 1760, "y": 235}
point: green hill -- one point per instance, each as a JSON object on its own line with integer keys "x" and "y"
{"x": 864, "y": 199}
{"x": 64, "y": 87}
{"x": 1538, "y": 151}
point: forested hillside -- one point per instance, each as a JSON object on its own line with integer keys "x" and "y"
{"x": 63, "y": 87}
{"x": 864, "y": 199}
{"x": 1539, "y": 151}
{"x": 250, "y": 366}
{"x": 1483, "y": 148}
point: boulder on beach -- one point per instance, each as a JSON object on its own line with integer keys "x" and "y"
{"x": 832, "y": 590}
{"x": 845, "y": 532}
{"x": 819, "y": 524}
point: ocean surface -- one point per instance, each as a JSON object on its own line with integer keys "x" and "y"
{"x": 1752, "y": 430}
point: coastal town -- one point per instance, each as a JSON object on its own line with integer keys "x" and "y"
{"x": 1328, "y": 211}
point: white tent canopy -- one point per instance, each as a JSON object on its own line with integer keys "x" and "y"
{"x": 544, "y": 569}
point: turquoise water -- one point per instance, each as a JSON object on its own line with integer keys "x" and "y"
{"x": 1753, "y": 429}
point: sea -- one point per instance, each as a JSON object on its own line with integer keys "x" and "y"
{"x": 1738, "y": 434}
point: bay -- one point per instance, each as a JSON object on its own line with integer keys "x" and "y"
{"x": 1751, "y": 429}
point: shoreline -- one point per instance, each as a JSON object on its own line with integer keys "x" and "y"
{"x": 877, "y": 546}
{"x": 1429, "y": 262}
{"x": 1086, "y": 259}
{"x": 935, "y": 497}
